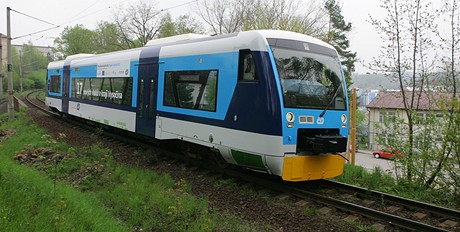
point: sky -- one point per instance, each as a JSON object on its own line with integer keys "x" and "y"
{"x": 363, "y": 38}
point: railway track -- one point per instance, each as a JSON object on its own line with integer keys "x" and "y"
{"x": 396, "y": 211}
{"x": 41, "y": 105}
{"x": 393, "y": 212}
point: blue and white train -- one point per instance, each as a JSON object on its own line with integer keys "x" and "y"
{"x": 271, "y": 101}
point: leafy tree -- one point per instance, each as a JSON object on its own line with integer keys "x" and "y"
{"x": 187, "y": 24}
{"x": 337, "y": 36}
{"x": 75, "y": 40}
{"x": 361, "y": 128}
{"x": 184, "y": 24}
{"x": 167, "y": 26}
{"x": 27, "y": 82}
{"x": 109, "y": 37}
{"x": 39, "y": 82}
{"x": 32, "y": 59}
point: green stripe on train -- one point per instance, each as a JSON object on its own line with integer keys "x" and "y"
{"x": 247, "y": 159}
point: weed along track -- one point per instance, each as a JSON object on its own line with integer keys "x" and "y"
{"x": 251, "y": 198}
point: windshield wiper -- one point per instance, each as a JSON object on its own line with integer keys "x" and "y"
{"x": 332, "y": 100}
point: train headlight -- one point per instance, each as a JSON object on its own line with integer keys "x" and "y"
{"x": 344, "y": 121}
{"x": 344, "y": 118}
{"x": 290, "y": 118}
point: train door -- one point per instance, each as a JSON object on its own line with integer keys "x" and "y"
{"x": 66, "y": 89}
{"x": 147, "y": 92}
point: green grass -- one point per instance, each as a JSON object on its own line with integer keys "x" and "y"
{"x": 42, "y": 96}
{"x": 84, "y": 189}
{"x": 30, "y": 201}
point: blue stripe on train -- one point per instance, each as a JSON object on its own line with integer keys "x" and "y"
{"x": 252, "y": 107}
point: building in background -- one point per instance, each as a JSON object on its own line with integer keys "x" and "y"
{"x": 390, "y": 104}
{"x": 47, "y": 51}
{"x": 3, "y": 43}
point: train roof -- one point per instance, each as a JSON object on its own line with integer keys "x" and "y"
{"x": 193, "y": 44}
{"x": 279, "y": 34}
{"x": 176, "y": 38}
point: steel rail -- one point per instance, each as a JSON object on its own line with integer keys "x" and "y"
{"x": 37, "y": 106}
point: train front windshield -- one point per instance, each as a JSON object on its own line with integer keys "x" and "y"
{"x": 310, "y": 75}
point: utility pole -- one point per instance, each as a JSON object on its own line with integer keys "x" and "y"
{"x": 1, "y": 66}
{"x": 20, "y": 70}
{"x": 10, "y": 66}
{"x": 352, "y": 136}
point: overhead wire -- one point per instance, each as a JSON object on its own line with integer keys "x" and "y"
{"x": 17, "y": 37}
{"x": 41, "y": 20}
{"x": 183, "y": 4}
{"x": 83, "y": 11}
{"x": 84, "y": 16}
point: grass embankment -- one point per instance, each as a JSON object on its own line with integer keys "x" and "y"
{"x": 379, "y": 180}
{"x": 46, "y": 185}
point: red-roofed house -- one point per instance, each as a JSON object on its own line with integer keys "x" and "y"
{"x": 390, "y": 103}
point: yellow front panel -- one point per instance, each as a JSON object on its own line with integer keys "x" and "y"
{"x": 301, "y": 168}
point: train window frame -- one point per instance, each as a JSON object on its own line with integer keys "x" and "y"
{"x": 55, "y": 84}
{"x": 247, "y": 65}
{"x": 202, "y": 85}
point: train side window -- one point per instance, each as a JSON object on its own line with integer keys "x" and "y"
{"x": 55, "y": 84}
{"x": 193, "y": 89}
{"x": 247, "y": 67}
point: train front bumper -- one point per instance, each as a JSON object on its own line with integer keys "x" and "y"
{"x": 303, "y": 168}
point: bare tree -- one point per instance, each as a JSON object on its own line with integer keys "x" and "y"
{"x": 288, "y": 15}
{"x": 450, "y": 146}
{"x": 407, "y": 31}
{"x": 223, "y": 16}
{"x": 138, "y": 24}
